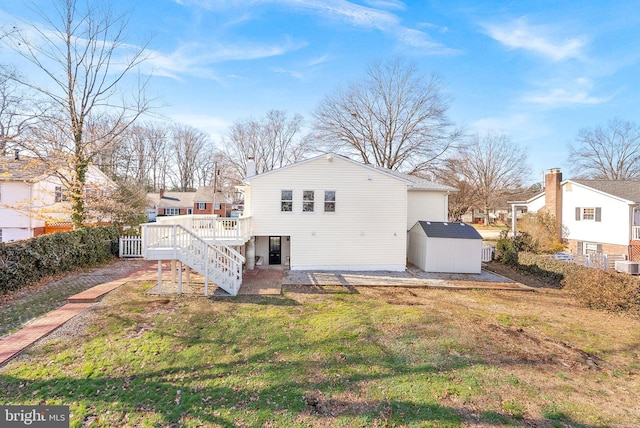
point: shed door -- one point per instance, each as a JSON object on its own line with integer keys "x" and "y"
{"x": 275, "y": 246}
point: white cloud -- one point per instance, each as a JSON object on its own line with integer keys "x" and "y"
{"x": 214, "y": 126}
{"x": 574, "y": 92}
{"x": 539, "y": 39}
{"x": 374, "y": 17}
{"x": 195, "y": 59}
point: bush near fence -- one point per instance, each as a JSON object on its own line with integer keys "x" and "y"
{"x": 25, "y": 262}
{"x": 606, "y": 290}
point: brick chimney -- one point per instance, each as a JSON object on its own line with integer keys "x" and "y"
{"x": 553, "y": 197}
{"x": 161, "y": 193}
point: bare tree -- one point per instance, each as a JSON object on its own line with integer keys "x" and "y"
{"x": 394, "y": 118}
{"x": 189, "y": 145}
{"x": 15, "y": 112}
{"x": 493, "y": 166}
{"x": 273, "y": 142}
{"x": 611, "y": 153}
{"x": 79, "y": 51}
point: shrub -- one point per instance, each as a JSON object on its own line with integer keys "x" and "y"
{"x": 606, "y": 290}
{"x": 541, "y": 228}
{"x": 25, "y": 262}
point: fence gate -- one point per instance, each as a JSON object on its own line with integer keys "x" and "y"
{"x": 130, "y": 246}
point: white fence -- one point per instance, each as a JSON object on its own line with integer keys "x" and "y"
{"x": 600, "y": 261}
{"x": 130, "y": 246}
{"x": 487, "y": 253}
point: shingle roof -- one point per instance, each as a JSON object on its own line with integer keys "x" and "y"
{"x": 24, "y": 169}
{"x": 440, "y": 229}
{"x": 419, "y": 183}
{"x": 205, "y": 194}
{"x": 172, "y": 199}
{"x": 629, "y": 190}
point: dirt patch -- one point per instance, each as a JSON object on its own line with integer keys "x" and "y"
{"x": 516, "y": 275}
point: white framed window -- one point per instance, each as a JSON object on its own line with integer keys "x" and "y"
{"x": 172, "y": 211}
{"x": 589, "y": 214}
{"x": 61, "y": 194}
{"x": 218, "y": 206}
{"x": 202, "y": 206}
{"x": 329, "y": 201}
{"x": 308, "y": 201}
{"x": 286, "y": 200}
{"x": 189, "y": 211}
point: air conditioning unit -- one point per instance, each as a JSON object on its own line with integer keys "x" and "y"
{"x": 628, "y": 267}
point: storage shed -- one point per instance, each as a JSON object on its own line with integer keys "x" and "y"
{"x": 450, "y": 247}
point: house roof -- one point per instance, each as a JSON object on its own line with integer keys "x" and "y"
{"x": 205, "y": 194}
{"x": 418, "y": 183}
{"x": 25, "y": 169}
{"x": 455, "y": 230}
{"x": 414, "y": 183}
{"x": 172, "y": 199}
{"x": 629, "y": 190}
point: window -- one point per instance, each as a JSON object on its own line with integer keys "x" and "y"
{"x": 307, "y": 201}
{"x": 172, "y": 211}
{"x": 589, "y": 214}
{"x": 202, "y": 206}
{"x": 218, "y": 206}
{"x": 329, "y": 201}
{"x": 61, "y": 194}
{"x": 286, "y": 200}
{"x": 189, "y": 211}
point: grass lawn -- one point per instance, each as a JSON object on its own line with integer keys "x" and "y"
{"x": 378, "y": 357}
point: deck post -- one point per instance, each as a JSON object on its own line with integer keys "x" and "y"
{"x": 159, "y": 275}
{"x": 173, "y": 271}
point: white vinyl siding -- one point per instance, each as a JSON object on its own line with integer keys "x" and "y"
{"x": 611, "y": 221}
{"x": 426, "y": 205}
{"x": 363, "y": 234}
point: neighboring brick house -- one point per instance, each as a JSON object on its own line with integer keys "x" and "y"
{"x": 171, "y": 203}
{"x": 206, "y": 201}
{"x": 203, "y": 201}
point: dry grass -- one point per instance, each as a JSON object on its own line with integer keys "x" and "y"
{"x": 324, "y": 356}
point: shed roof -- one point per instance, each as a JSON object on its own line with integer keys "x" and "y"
{"x": 443, "y": 229}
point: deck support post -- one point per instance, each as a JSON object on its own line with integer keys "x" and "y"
{"x": 179, "y": 277}
{"x": 173, "y": 272}
{"x": 251, "y": 253}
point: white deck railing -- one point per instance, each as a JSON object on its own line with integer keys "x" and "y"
{"x": 216, "y": 261}
{"x": 130, "y": 246}
{"x": 213, "y": 227}
{"x": 487, "y": 253}
{"x": 635, "y": 233}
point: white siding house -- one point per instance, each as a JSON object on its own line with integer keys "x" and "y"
{"x": 597, "y": 216}
{"x": 30, "y": 197}
{"x": 330, "y": 213}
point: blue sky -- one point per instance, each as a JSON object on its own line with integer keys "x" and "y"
{"x": 538, "y": 71}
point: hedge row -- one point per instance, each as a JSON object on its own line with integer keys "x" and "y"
{"x": 25, "y": 262}
{"x": 549, "y": 270}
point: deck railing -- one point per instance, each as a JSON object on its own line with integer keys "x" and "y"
{"x": 212, "y": 227}
{"x": 635, "y": 233}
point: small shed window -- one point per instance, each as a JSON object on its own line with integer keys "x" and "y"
{"x": 308, "y": 197}
{"x": 329, "y": 201}
{"x": 286, "y": 200}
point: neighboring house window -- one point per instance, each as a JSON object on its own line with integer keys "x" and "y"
{"x": 218, "y": 205}
{"x": 589, "y": 214}
{"x": 329, "y": 201}
{"x": 189, "y": 211}
{"x": 589, "y": 248}
{"x": 172, "y": 211}
{"x": 307, "y": 201}
{"x": 286, "y": 200}
{"x": 61, "y": 194}
{"x": 202, "y": 206}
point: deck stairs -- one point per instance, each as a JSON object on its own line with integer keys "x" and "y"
{"x": 216, "y": 261}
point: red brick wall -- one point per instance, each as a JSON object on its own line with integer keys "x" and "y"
{"x": 207, "y": 210}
